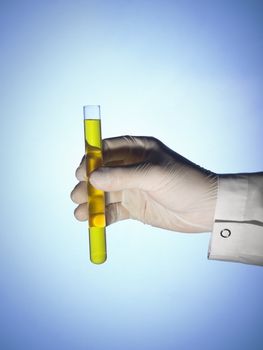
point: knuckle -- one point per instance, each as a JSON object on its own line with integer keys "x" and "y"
{"x": 79, "y": 214}
{"x": 154, "y": 142}
{"x": 73, "y": 194}
{"x": 77, "y": 173}
{"x": 76, "y": 213}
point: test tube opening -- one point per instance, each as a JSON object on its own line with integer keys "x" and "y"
{"x": 91, "y": 112}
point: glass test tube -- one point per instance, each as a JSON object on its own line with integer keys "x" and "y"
{"x": 96, "y": 198}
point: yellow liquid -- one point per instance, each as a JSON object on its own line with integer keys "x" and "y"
{"x": 96, "y": 199}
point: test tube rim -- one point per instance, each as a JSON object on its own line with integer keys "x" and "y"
{"x": 95, "y": 116}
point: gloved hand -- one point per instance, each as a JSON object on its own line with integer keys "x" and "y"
{"x": 145, "y": 180}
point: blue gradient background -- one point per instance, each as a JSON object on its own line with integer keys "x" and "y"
{"x": 187, "y": 72}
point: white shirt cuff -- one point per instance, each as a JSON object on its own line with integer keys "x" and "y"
{"x": 238, "y": 227}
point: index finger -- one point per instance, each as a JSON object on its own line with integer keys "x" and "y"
{"x": 121, "y": 150}
{"x": 125, "y": 150}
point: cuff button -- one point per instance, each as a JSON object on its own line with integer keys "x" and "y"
{"x": 225, "y": 233}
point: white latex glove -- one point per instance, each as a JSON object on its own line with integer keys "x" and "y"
{"x": 145, "y": 180}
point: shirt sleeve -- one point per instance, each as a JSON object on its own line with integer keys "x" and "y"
{"x": 238, "y": 226}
